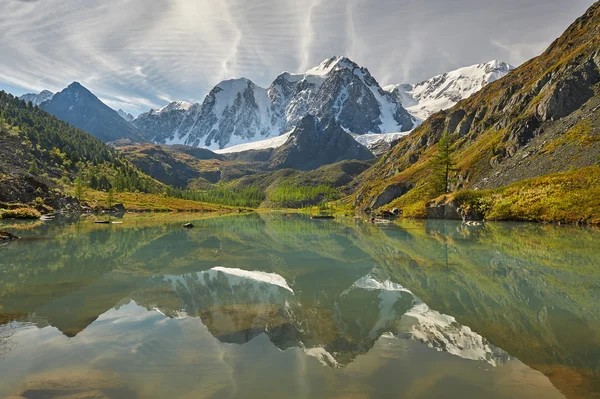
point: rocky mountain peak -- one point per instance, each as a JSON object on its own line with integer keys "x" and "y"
{"x": 314, "y": 143}
{"x": 81, "y": 108}
{"x": 37, "y": 99}
{"x": 331, "y": 64}
{"x": 127, "y": 116}
{"x": 237, "y": 111}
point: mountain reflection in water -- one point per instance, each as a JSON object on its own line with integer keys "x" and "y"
{"x": 258, "y": 305}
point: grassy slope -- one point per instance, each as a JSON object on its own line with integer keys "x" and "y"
{"x": 569, "y": 197}
{"x": 502, "y": 134}
{"x": 151, "y": 202}
{"x": 285, "y": 188}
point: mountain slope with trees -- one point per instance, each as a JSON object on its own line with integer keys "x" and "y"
{"x": 41, "y": 155}
{"x": 543, "y": 117}
{"x": 81, "y": 108}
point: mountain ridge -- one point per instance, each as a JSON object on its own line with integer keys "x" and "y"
{"x": 443, "y": 91}
{"x": 238, "y": 111}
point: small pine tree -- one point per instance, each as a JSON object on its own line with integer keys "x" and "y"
{"x": 111, "y": 198}
{"x": 79, "y": 189}
{"x": 442, "y": 166}
{"x": 33, "y": 168}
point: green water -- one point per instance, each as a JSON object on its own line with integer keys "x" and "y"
{"x": 278, "y": 306}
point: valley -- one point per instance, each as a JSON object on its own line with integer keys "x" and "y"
{"x": 338, "y": 136}
{"x": 417, "y": 216}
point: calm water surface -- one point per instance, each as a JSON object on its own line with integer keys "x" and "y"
{"x": 275, "y": 306}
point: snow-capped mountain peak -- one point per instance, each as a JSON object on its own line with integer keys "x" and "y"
{"x": 444, "y": 91}
{"x": 37, "y": 99}
{"x": 237, "y": 111}
{"x": 174, "y": 106}
{"x": 331, "y": 64}
{"x": 127, "y": 116}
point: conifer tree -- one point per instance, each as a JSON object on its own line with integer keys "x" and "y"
{"x": 442, "y": 166}
{"x": 33, "y": 168}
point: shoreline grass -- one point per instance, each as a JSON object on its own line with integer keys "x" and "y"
{"x": 20, "y": 213}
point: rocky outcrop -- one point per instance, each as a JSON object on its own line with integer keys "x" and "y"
{"x": 389, "y": 194}
{"x": 313, "y": 144}
{"x": 6, "y": 236}
{"x": 449, "y": 209}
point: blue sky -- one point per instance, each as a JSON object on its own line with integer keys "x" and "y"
{"x": 140, "y": 54}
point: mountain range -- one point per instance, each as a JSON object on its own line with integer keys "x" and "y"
{"x": 37, "y": 98}
{"x": 238, "y": 111}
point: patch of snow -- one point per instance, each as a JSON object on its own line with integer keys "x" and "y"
{"x": 369, "y": 140}
{"x": 330, "y": 64}
{"x": 443, "y": 333}
{"x": 274, "y": 142}
{"x": 37, "y": 99}
{"x": 228, "y": 93}
{"x": 174, "y": 106}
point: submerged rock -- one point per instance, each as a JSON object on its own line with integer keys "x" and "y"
{"x": 77, "y": 384}
{"x": 6, "y": 236}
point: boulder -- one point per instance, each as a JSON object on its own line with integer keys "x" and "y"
{"x": 451, "y": 210}
{"x": 386, "y": 214}
{"x": 120, "y": 208}
{"x": 390, "y": 193}
{"x": 443, "y": 210}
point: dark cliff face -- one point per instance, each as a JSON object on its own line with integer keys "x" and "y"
{"x": 77, "y": 106}
{"x": 542, "y": 117}
{"x": 313, "y": 144}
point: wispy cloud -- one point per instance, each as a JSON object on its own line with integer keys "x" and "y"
{"x": 137, "y": 54}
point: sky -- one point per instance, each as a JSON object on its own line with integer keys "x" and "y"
{"x": 142, "y": 54}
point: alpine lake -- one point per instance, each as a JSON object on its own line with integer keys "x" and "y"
{"x": 275, "y": 305}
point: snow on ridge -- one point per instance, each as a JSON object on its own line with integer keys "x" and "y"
{"x": 257, "y": 276}
{"x": 443, "y": 333}
{"x": 273, "y": 142}
{"x": 444, "y": 91}
{"x": 174, "y": 106}
{"x": 369, "y": 140}
{"x": 325, "y": 67}
{"x": 237, "y": 111}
